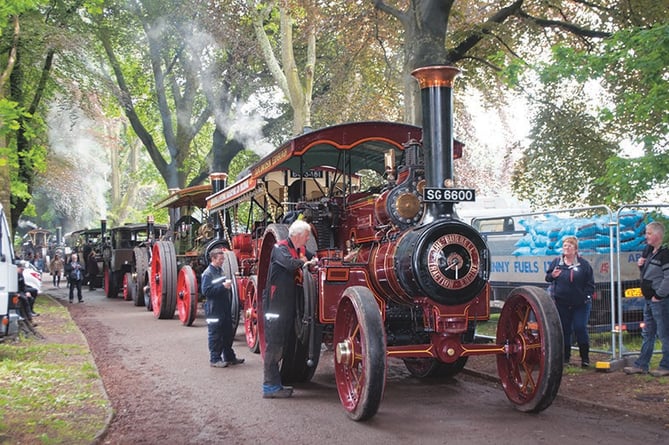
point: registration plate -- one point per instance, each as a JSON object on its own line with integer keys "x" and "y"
{"x": 633, "y": 292}
{"x": 448, "y": 195}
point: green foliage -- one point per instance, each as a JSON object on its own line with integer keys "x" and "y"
{"x": 566, "y": 156}
{"x": 629, "y": 179}
{"x": 242, "y": 161}
{"x": 238, "y": 165}
{"x": 632, "y": 67}
{"x": 14, "y": 118}
{"x": 10, "y": 112}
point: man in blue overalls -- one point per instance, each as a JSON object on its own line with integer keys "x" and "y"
{"x": 216, "y": 289}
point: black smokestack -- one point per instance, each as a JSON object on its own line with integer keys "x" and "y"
{"x": 218, "y": 181}
{"x": 436, "y": 84}
{"x": 149, "y": 228}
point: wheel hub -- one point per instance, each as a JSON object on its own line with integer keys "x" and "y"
{"x": 344, "y": 352}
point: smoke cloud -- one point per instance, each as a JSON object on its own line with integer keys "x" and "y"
{"x": 82, "y": 189}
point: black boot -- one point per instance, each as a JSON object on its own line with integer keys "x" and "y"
{"x": 584, "y": 350}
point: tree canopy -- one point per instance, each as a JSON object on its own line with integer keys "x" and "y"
{"x": 605, "y": 99}
{"x": 178, "y": 78}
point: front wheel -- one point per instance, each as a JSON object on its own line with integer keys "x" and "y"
{"x": 187, "y": 295}
{"x": 360, "y": 353}
{"x": 251, "y": 314}
{"x": 129, "y": 287}
{"x": 531, "y": 370}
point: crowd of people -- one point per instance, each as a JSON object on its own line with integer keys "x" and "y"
{"x": 74, "y": 273}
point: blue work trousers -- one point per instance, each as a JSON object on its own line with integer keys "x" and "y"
{"x": 220, "y": 337}
{"x": 656, "y": 325}
{"x": 574, "y": 317}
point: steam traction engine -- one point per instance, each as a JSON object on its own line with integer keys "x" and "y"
{"x": 399, "y": 275}
{"x": 176, "y": 261}
{"x": 125, "y": 257}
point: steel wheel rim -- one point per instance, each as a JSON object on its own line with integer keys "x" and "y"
{"x": 186, "y": 295}
{"x": 349, "y": 365}
{"x": 156, "y": 281}
{"x": 126, "y": 292}
{"x": 524, "y": 365}
{"x": 251, "y": 315}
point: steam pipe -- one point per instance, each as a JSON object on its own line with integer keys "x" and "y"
{"x": 436, "y": 84}
{"x": 103, "y": 230}
{"x": 149, "y": 228}
{"x": 218, "y": 183}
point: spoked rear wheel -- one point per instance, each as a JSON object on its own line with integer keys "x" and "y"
{"x": 302, "y": 349}
{"x": 531, "y": 370}
{"x": 129, "y": 286}
{"x": 111, "y": 287}
{"x": 360, "y": 353}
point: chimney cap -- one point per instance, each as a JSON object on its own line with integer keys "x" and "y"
{"x": 435, "y": 76}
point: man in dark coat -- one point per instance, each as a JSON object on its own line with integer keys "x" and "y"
{"x": 87, "y": 249}
{"x": 92, "y": 270}
{"x": 284, "y": 287}
{"x": 75, "y": 272}
{"x": 216, "y": 289}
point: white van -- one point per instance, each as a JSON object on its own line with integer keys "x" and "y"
{"x": 9, "y": 318}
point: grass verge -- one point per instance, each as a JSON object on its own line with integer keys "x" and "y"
{"x": 50, "y": 389}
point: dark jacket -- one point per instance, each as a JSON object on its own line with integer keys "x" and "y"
{"x": 216, "y": 294}
{"x": 655, "y": 274}
{"x": 74, "y": 271}
{"x": 92, "y": 267}
{"x": 285, "y": 278}
{"x": 575, "y": 285}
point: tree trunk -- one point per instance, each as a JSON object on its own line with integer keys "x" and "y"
{"x": 298, "y": 91}
{"x": 5, "y": 184}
